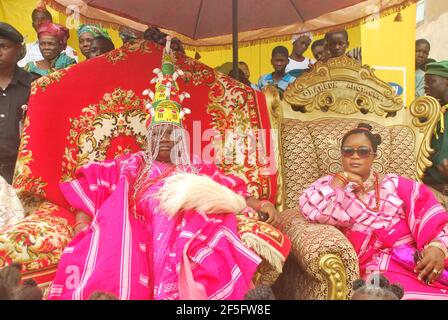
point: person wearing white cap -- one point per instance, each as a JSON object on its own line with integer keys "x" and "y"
{"x": 298, "y": 62}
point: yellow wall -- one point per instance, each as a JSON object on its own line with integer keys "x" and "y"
{"x": 390, "y": 47}
{"x": 18, "y": 14}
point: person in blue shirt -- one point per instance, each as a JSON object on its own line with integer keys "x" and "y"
{"x": 279, "y": 78}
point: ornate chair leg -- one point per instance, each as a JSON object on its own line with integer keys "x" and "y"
{"x": 265, "y": 275}
{"x": 334, "y": 271}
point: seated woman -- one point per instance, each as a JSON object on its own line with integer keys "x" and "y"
{"x": 395, "y": 225}
{"x": 151, "y": 225}
{"x": 52, "y": 42}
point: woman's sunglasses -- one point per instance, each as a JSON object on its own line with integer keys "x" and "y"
{"x": 363, "y": 152}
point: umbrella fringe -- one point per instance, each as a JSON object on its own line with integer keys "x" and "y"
{"x": 283, "y": 38}
{"x": 188, "y": 43}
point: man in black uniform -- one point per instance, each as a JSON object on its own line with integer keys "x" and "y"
{"x": 15, "y": 85}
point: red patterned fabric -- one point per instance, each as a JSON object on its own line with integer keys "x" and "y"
{"x": 88, "y": 112}
{"x": 267, "y": 241}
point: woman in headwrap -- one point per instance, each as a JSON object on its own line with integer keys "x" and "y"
{"x": 52, "y": 42}
{"x": 86, "y": 34}
{"x": 153, "y": 225}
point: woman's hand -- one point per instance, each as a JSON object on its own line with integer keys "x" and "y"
{"x": 431, "y": 265}
{"x": 350, "y": 177}
{"x": 271, "y": 211}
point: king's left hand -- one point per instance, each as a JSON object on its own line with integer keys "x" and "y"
{"x": 273, "y": 215}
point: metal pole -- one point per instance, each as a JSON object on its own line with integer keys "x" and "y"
{"x": 235, "y": 37}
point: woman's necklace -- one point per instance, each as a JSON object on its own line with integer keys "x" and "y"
{"x": 370, "y": 182}
{"x": 376, "y": 186}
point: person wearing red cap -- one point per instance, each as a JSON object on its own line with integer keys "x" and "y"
{"x": 52, "y": 42}
{"x": 39, "y": 15}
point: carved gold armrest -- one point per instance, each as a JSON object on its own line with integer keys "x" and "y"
{"x": 323, "y": 252}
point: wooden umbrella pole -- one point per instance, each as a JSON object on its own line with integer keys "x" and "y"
{"x": 235, "y": 37}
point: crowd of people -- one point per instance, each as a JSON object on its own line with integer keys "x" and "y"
{"x": 288, "y": 66}
{"x": 402, "y": 234}
{"x": 50, "y": 51}
{"x": 47, "y": 54}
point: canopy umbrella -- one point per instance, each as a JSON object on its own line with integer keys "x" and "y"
{"x": 221, "y": 22}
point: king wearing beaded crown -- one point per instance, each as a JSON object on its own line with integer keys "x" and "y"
{"x": 161, "y": 226}
{"x": 165, "y": 111}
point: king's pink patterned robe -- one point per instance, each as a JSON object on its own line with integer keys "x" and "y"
{"x": 142, "y": 254}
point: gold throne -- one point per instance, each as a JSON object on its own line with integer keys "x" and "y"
{"x": 318, "y": 108}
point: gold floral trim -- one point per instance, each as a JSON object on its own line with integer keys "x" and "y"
{"x": 44, "y": 82}
{"x": 93, "y": 131}
{"x": 232, "y": 106}
{"x": 121, "y": 54}
{"x": 30, "y": 189}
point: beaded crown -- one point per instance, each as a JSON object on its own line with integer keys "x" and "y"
{"x": 165, "y": 104}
